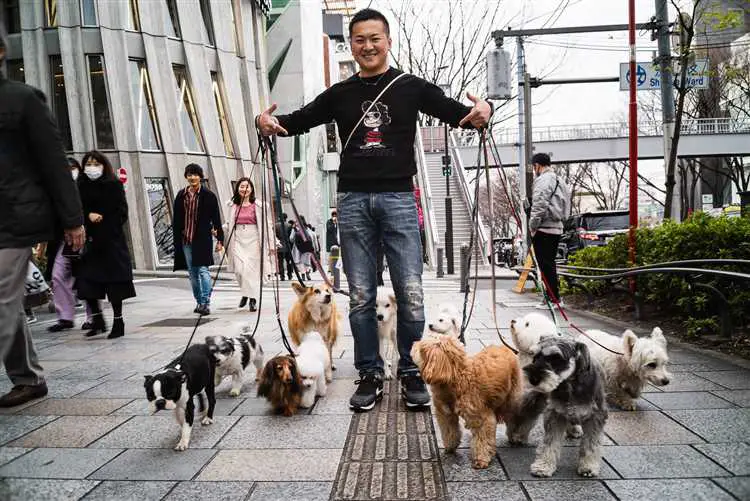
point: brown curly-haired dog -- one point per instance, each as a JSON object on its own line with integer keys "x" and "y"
{"x": 281, "y": 384}
{"x": 482, "y": 389}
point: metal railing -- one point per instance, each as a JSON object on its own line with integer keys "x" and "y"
{"x": 432, "y": 234}
{"x": 468, "y": 195}
{"x": 609, "y": 130}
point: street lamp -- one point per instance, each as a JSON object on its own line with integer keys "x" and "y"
{"x": 446, "y": 87}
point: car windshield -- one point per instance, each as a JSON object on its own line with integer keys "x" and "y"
{"x": 606, "y": 222}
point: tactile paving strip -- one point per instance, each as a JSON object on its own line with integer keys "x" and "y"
{"x": 390, "y": 454}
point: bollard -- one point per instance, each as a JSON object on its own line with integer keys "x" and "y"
{"x": 440, "y": 273}
{"x": 464, "y": 271}
{"x": 334, "y": 256}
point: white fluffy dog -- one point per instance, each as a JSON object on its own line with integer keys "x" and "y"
{"x": 448, "y": 322}
{"x": 313, "y": 363}
{"x": 528, "y": 331}
{"x": 386, "y": 314}
{"x": 643, "y": 360}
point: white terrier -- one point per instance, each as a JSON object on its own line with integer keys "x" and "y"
{"x": 528, "y": 331}
{"x": 386, "y": 314}
{"x": 448, "y": 322}
{"x": 643, "y": 360}
{"x": 313, "y": 363}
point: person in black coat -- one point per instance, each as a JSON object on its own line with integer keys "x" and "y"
{"x": 332, "y": 231}
{"x": 196, "y": 219}
{"x": 37, "y": 195}
{"x": 105, "y": 267}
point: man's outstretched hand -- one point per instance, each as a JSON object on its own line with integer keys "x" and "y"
{"x": 268, "y": 124}
{"x": 479, "y": 115}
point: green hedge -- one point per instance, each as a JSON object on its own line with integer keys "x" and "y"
{"x": 699, "y": 237}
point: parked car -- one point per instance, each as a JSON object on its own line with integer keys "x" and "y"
{"x": 591, "y": 229}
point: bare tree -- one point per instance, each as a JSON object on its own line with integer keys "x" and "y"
{"x": 702, "y": 14}
{"x": 504, "y": 200}
{"x": 606, "y": 182}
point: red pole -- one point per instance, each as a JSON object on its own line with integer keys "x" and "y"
{"x": 633, "y": 140}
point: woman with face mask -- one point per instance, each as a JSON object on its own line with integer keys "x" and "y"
{"x": 60, "y": 274}
{"x": 104, "y": 268}
{"x": 245, "y": 250}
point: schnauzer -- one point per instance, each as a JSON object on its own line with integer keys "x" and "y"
{"x": 572, "y": 383}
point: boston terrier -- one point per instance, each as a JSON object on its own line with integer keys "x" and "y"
{"x": 175, "y": 386}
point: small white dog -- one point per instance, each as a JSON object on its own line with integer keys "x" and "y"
{"x": 448, "y": 322}
{"x": 314, "y": 365}
{"x": 643, "y": 360}
{"x": 386, "y": 314}
{"x": 528, "y": 331}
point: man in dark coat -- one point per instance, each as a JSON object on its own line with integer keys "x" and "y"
{"x": 196, "y": 219}
{"x": 37, "y": 194}
{"x": 332, "y": 231}
{"x": 284, "y": 253}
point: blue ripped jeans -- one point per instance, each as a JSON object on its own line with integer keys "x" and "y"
{"x": 364, "y": 220}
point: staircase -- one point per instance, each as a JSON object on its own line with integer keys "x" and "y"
{"x": 461, "y": 213}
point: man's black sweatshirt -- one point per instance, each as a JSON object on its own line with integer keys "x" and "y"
{"x": 380, "y": 154}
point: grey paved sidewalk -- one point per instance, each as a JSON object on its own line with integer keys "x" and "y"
{"x": 92, "y": 436}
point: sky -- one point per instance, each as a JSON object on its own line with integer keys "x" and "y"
{"x": 587, "y": 55}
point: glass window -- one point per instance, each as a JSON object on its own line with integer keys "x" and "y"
{"x": 12, "y": 16}
{"x": 221, "y": 112}
{"x": 191, "y": 132}
{"x": 105, "y": 140}
{"x": 134, "y": 17}
{"x": 88, "y": 12}
{"x": 160, "y": 205}
{"x": 331, "y": 145}
{"x": 60, "y": 101}
{"x": 172, "y": 23}
{"x": 15, "y": 70}
{"x": 50, "y": 13}
{"x": 208, "y": 24}
{"x": 297, "y": 164}
{"x": 346, "y": 69}
{"x": 235, "y": 39}
{"x": 147, "y": 127}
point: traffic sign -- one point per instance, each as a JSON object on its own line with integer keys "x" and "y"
{"x": 122, "y": 174}
{"x": 648, "y": 75}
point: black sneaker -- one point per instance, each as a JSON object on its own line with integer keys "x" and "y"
{"x": 369, "y": 391}
{"x": 243, "y": 302}
{"x": 413, "y": 391}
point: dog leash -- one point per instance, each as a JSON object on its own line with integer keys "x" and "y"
{"x": 543, "y": 282}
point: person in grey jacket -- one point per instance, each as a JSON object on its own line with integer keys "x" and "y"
{"x": 549, "y": 208}
{"x": 37, "y": 193}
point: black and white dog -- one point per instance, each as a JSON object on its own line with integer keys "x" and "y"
{"x": 232, "y": 356}
{"x": 563, "y": 374}
{"x": 175, "y": 387}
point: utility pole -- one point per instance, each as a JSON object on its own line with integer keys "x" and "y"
{"x": 522, "y": 90}
{"x": 666, "y": 85}
{"x": 528, "y": 135}
{"x": 633, "y": 140}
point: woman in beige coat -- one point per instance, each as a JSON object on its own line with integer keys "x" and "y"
{"x": 244, "y": 250}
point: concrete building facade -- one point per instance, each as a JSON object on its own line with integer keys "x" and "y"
{"x": 155, "y": 85}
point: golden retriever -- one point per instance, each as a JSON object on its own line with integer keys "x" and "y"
{"x": 314, "y": 310}
{"x": 482, "y": 389}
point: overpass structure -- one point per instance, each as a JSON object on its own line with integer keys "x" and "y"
{"x": 600, "y": 142}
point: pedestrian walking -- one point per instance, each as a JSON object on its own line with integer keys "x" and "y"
{"x": 376, "y": 112}
{"x": 303, "y": 247}
{"x": 332, "y": 231}
{"x": 104, "y": 269}
{"x": 245, "y": 249}
{"x": 60, "y": 273}
{"x": 283, "y": 250}
{"x": 196, "y": 219}
{"x": 34, "y": 171}
{"x": 549, "y": 208}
